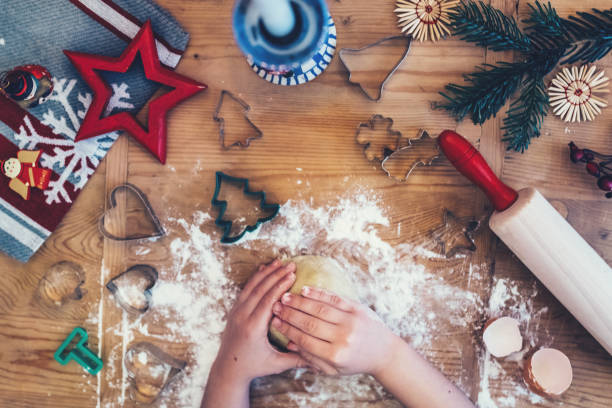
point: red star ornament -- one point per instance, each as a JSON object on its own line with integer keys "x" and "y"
{"x": 94, "y": 124}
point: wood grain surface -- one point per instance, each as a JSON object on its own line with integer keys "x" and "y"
{"x": 311, "y": 127}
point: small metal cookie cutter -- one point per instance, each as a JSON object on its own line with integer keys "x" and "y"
{"x": 456, "y": 235}
{"x": 246, "y": 107}
{"x": 418, "y": 162}
{"x": 132, "y": 287}
{"x": 149, "y": 371}
{"x": 388, "y": 147}
{"x": 344, "y": 51}
{"x": 159, "y": 229}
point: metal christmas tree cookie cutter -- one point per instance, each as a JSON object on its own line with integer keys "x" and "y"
{"x": 247, "y": 108}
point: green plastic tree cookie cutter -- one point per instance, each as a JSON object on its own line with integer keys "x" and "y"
{"x": 222, "y": 205}
{"x": 80, "y": 353}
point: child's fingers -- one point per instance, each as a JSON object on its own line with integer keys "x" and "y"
{"x": 308, "y": 324}
{"x": 276, "y": 288}
{"x": 328, "y": 297}
{"x": 267, "y": 283}
{"x": 262, "y": 271}
{"x": 314, "y": 308}
{"x": 305, "y": 342}
{"x": 315, "y": 361}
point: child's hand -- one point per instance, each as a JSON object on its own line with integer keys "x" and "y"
{"x": 245, "y": 350}
{"x": 334, "y": 334}
{"x": 338, "y": 336}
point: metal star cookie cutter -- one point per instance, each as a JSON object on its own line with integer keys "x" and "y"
{"x": 456, "y": 234}
{"x": 80, "y": 353}
{"x": 246, "y": 107}
{"x": 419, "y": 161}
{"x": 226, "y": 238}
{"x": 159, "y": 229}
{"x": 345, "y": 51}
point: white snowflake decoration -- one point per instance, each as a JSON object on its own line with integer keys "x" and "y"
{"x": 573, "y": 93}
{"x": 76, "y": 160}
{"x": 425, "y": 19}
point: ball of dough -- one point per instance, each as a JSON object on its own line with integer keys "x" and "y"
{"x": 318, "y": 272}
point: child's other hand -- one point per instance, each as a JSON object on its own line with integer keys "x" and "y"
{"x": 245, "y": 350}
{"x": 338, "y": 336}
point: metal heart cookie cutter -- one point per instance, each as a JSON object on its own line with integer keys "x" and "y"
{"x": 159, "y": 229}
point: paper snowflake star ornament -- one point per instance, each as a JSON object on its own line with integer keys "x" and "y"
{"x": 573, "y": 93}
{"x": 95, "y": 124}
{"x": 425, "y": 19}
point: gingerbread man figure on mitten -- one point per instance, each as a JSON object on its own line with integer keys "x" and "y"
{"x": 24, "y": 172}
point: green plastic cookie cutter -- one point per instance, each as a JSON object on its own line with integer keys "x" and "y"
{"x": 80, "y": 353}
{"x": 226, "y": 225}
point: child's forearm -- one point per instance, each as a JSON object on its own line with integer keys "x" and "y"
{"x": 224, "y": 389}
{"x": 416, "y": 383}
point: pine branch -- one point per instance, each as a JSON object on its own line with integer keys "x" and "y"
{"x": 544, "y": 20}
{"x": 586, "y": 37}
{"x": 548, "y": 40}
{"x": 592, "y": 35}
{"x": 487, "y": 91}
{"x": 526, "y": 114}
{"x": 488, "y": 27}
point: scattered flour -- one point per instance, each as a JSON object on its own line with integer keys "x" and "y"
{"x": 141, "y": 250}
{"x": 194, "y": 294}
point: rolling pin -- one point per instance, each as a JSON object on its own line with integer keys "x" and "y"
{"x": 543, "y": 240}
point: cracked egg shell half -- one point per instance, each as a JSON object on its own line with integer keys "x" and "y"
{"x": 502, "y": 336}
{"x": 548, "y": 372}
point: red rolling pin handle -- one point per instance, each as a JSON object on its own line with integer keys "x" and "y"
{"x": 472, "y": 165}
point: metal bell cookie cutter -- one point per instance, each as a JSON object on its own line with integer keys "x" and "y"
{"x": 354, "y": 51}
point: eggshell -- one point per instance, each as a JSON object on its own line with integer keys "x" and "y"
{"x": 548, "y": 372}
{"x": 502, "y": 336}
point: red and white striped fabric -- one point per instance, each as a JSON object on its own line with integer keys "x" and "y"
{"x": 125, "y": 26}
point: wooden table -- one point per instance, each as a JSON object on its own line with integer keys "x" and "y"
{"x": 311, "y": 127}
